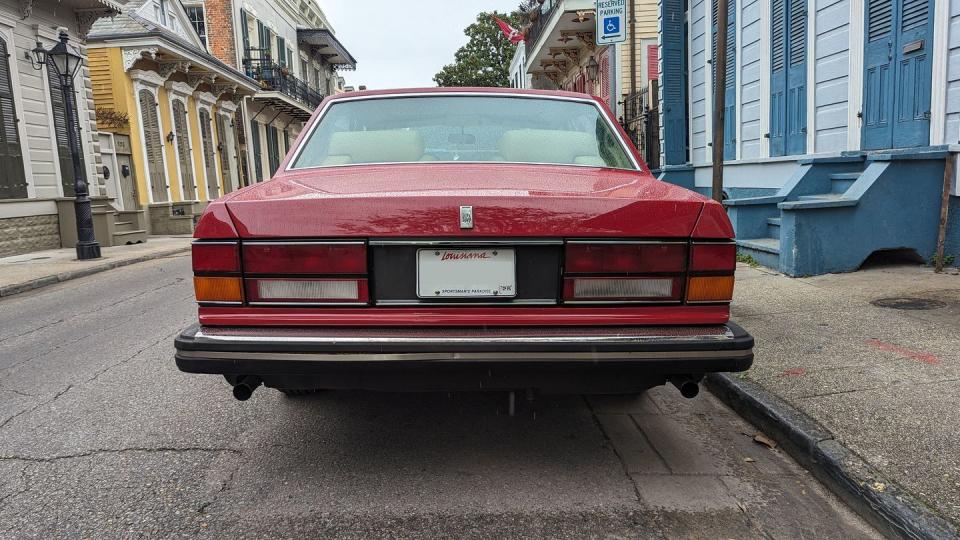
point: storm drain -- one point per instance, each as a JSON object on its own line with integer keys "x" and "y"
{"x": 912, "y": 304}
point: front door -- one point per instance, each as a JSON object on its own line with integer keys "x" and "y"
{"x": 788, "y": 78}
{"x": 897, "y": 74}
{"x": 126, "y": 177}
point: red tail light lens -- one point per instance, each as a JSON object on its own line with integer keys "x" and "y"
{"x": 627, "y": 258}
{"x": 713, "y": 258}
{"x": 215, "y": 257}
{"x": 305, "y": 258}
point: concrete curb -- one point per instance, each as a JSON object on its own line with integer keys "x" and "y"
{"x": 17, "y": 288}
{"x": 892, "y": 510}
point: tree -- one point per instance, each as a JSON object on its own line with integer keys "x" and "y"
{"x": 485, "y": 59}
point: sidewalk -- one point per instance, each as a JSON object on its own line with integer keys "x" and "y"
{"x": 872, "y": 355}
{"x": 37, "y": 269}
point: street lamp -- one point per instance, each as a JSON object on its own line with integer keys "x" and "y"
{"x": 593, "y": 69}
{"x": 66, "y": 61}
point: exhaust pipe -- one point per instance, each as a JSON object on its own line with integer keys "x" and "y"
{"x": 245, "y": 387}
{"x": 688, "y": 387}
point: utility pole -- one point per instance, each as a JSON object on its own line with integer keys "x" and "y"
{"x": 719, "y": 98}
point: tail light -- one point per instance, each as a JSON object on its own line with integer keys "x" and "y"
{"x": 216, "y": 268}
{"x": 596, "y": 272}
{"x": 301, "y": 272}
{"x": 648, "y": 271}
{"x": 711, "y": 272}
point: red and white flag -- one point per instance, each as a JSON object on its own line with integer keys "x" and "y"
{"x": 512, "y": 33}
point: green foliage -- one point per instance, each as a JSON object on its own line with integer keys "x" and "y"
{"x": 948, "y": 260}
{"x": 747, "y": 259}
{"x": 485, "y": 59}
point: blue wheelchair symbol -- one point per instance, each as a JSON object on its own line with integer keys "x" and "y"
{"x": 611, "y": 25}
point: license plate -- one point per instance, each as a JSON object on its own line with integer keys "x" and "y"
{"x": 466, "y": 273}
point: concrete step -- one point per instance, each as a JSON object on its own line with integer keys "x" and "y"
{"x": 841, "y": 182}
{"x": 129, "y": 237}
{"x": 821, "y": 197}
{"x": 773, "y": 227}
{"x": 765, "y": 251}
{"x": 124, "y": 226}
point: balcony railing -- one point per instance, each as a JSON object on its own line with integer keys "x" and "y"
{"x": 273, "y": 76}
{"x": 536, "y": 27}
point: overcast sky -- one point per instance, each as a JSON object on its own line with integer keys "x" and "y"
{"x": 403, "y": 44}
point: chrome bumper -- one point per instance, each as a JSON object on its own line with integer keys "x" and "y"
{"x": 237, "y": 350}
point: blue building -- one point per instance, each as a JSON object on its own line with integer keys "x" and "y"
{"x": 839, "y": 117}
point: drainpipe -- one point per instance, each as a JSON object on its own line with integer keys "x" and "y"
{"x": 633, "y": 47}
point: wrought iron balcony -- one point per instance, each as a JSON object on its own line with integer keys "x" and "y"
{"x": 273, "y": 76}
{"x": 537, "y": 27}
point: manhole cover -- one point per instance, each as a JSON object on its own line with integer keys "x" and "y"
{"x": 916, "y": 304}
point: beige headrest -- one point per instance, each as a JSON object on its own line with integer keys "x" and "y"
{"x": 384, "y": 146}
{"x": 549, "y": 146}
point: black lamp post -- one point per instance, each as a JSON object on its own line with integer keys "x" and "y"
{"x": 66, "y": 61}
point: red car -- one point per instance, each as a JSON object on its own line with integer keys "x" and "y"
{"x": 463, "y": 239}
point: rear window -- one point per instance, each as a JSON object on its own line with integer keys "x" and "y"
{"x": 463, "y": 128}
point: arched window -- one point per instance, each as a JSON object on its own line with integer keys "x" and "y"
{"x": 183, "y": 150}
{"x": 13, "y": 184}
{"x": 153, "y": 145}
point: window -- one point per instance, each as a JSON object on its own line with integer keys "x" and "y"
{"x": 464, "y": 128}
{"x": 195, "y": 13}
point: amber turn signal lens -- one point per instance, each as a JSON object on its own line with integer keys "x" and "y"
{"x": 710, "y": 289}
{"x": 218, "y": 289}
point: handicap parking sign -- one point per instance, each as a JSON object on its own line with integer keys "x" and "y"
{"x": 611, "y": 19}
{"x": 611, "y": 25}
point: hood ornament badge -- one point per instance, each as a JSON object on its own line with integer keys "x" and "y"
{"x": 466, "y": 217}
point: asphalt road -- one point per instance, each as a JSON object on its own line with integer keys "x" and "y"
{"x": 101, "y": 436}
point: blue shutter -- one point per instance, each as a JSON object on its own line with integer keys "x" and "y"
{"x": 913, "y": 73}
{"x": 796, "y": 126}
{"x": 778, "y": 76}
{"x": 878, "y": 74}
{"x": 730, "y": 102}
{"x": 673, "y": 83}
{"x": 730, "y": 69}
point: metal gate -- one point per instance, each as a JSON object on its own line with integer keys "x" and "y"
{"x": 641, "y": 121}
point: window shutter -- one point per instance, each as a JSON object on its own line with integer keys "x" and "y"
{"x": 60, "y": 123}
{"x": 915, "y": 13}
{"x": 153, "y": 144}
{"x": 730, "y": 105}
{"x": 778, "y": 76}
{"x": 245, "y": 32}
{"x": 879, "y": 19}
{"x": 257, "y": 157}
{"x": 605, "y": 76}
{"x": 209, "y": 158}
{"x": 674, "y": 88}
{"x": 13, "y": 183}
{"x": 281, "y": 52}
{"x": 653, "y": 61}
{"x": 223, "y": 149}
{"x": 183, "y": 150}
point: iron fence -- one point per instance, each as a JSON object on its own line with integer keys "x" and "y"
{"x": 641, "y": 121}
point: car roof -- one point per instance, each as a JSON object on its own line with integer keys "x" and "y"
{"x": 462, "y": 90}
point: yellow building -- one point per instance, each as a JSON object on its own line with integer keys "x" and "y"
{"x": 165, "y": 111}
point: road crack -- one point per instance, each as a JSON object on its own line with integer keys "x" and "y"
{"x": 99, "y": 451}
{"x": 37, "y": 406}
